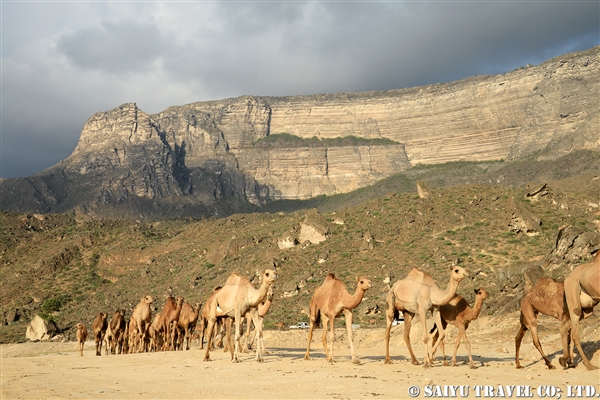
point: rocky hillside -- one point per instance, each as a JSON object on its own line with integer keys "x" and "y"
{"x": 69, "y": 268}
{"x": 206, "y": 158}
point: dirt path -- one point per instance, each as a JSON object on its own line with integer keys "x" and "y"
{"x": 54, "y": 370}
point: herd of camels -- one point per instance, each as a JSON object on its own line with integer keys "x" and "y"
{"x": 417, "y": 294}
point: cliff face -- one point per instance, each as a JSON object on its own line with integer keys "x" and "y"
{"x": 201, "y": 158}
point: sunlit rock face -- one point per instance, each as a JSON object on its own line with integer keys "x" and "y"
{"x": 206, "y": 158}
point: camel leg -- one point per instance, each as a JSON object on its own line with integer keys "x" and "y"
{"x": 234, "y": 348}
{"x": 209, "y": 337}
{"x": 425, "y": 338}
{"x": 538, "y": 345}
{"x": 348, "y": 314}
{"x": 440, "y": 334}
{"x": 577, "y": 342}
{"x": 565, "y": 333}
{"x": 245, "y": 347}
{"x": 257, "y": 336}
{"x": 389, "y": 318}
{"x": 310, "y": 333}
{"x": 407, "y": 322}
{"x": 325, "y": 325}
{"x": 331, "y": 339}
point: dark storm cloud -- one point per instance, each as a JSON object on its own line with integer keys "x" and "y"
{"x": 114, "y": 47}
{"x": 62, "y": 62}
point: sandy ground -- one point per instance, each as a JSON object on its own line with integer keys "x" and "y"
{"x": 55, "y": 370}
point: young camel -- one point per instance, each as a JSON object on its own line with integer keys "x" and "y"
{"x": 256, "y": 316}
{"x": 329, "y": 301}
{"x": 547, "y": 296}
{"x": 582, "y": 290}
{"x": 418, "y": 294}
{"x": 156, "y": 332}
{"x": 99, "y": 327}
{"x": 140, "y": 319}
{"x": 187, "y": 320}
{"x": 234, "y": 300}
{"x": 460, "y": 314}
{"x": 170, "y": 314}
{"x": 81, "y": 337}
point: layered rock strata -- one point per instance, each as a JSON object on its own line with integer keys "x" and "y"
{"x": 202, "y": 158}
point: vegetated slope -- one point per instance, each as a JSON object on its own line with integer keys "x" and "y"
{"x": 71, "y": 269}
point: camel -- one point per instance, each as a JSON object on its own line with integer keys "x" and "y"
{"x": 156, "y": 332}
{"x": 204, "y": 315}
{"x": 115, "y": 332}
{"x": 418, "y": 294}
{"x": 256, "y": 316}
{"x": 140, "y": 319}
{"x": 188, "y": 319}
{"x": 170, "y": 315}
{"x": 234, "y": 300}
{"x": 280, "y": 325}
{"x": 99, "y": 327}
{"x": 329, "y": 301}
{"x": 81, "y": 337}
{"x": 547, "y": 296}
{"x": 458, "y": 313}
{"x": 582, "y": 291}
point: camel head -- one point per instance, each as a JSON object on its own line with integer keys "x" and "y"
{"x": 103, "y": 315}
{"x": 458, "y": 273}
{"x": 269, "y": 276}
{"x": 364, "y": 283}
{"x": 481, "y": 293}
{"x": 270, "y": 293}
{"x": 179, "y": 300}
{"x": 79, "y": 326}
{"x": 147, "y": 300}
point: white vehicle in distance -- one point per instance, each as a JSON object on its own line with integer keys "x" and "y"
{"x": 299, "y": 325}
{"x": 397, "y": 321}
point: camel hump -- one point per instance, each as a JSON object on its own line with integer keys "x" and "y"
{"x": 329, "y": 277}
{"x": 419, "y": 276}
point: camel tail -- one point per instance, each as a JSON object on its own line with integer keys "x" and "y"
{"x": 433, "y": 329}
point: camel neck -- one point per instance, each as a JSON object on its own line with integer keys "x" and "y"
{"x": 350, "y": 301}
{"x": 440, "y": 297}
{"x": 473, "y": 313}
{"x": 255, "y": 297}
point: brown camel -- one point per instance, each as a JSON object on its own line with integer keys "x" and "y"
{"x": 582, "y": 290}
{"x": 81, "y": 337}
{"x": 99, "y": 327}
{"x": 116, "y": 327}
{"x": 170, "y": 314}
{"x": 547, "y": 296}
{"x": 187, "y": 320}
{"x": 418, "y": 294}
{"x": 460, "y": 314}
{"x": 141, "y": 319}
{"x": 329, "y": 301}
{"x": 280, "y": 325}
{"x": 234, "y": 300}
{"x": 256, "y": 316}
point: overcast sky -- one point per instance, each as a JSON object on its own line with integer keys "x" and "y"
{"x": 64, "y": 61}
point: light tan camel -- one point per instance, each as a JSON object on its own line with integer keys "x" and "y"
{"x": 156, "y": 332}
{"x": 329, "y": 301}
{"x": 547, "y": 296}
{"x": 234, "y": 300}
{"x": 81, "y": 337}
{"x": 187, "y": 320}
{"x": 170, "y": 315}
{"x": 418, "y": 294}
{"x": 582, "y": 290}
{"x": 256, "y": 316}
{"x": 460, "y": 314}
{"x": 141, "y": 317}
{"x": 99, "y": 327}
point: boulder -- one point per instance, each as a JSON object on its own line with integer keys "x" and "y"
{"x": 521, "y": 219}
{"x": 39, "y": 329}
{"x": 573, "y": 246}
{"x": 423, "y": 190}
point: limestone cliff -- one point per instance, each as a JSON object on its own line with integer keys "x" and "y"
{"x": 202, "y": 158}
